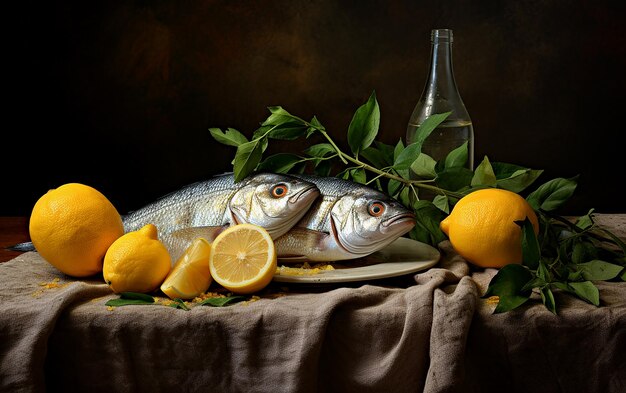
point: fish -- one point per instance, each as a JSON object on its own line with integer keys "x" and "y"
{"x": 348, "y": 221}
{"x": 273, "y": 201}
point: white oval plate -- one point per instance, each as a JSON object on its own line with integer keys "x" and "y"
{"x": 403, "y": 256}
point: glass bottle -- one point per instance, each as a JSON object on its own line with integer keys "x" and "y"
{"x": 441, "y": 95}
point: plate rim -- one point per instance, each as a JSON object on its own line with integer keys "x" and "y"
{"x": 430, "y": 260}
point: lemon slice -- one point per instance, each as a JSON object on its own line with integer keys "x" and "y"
{"x": 190, "y": 276}
{"x": 243, "y": 258}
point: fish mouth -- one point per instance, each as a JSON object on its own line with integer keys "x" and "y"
{"x": 402, "y": 218}
{"x": 308, "y": 195}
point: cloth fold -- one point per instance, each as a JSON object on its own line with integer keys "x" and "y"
{"x": 435, "y": 335}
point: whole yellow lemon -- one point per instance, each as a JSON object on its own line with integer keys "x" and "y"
{"x": 136, "y": 262}
{"x": 72, "y": 227}
{"x": 482, "y": 228}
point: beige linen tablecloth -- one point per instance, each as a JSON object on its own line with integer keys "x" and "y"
{"x": 434, "y": 335}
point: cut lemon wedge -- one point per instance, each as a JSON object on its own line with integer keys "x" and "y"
{"x": 243, "y": 258}
{"x": 190, "y": 276}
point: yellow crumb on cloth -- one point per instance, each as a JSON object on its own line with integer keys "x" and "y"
{"x": 252, "y": 299}
{"x": 54, "y": 284}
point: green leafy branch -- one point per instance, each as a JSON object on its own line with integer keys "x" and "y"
{"x": 567, "y": 255}
{"x": 403, "y": 171}
{"x": 385, "y": 161}
{"x": 399, "y": 170}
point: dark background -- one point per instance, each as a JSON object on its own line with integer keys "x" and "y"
{"x": 120, "y": 95}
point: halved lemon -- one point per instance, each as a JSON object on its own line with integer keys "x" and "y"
{"x": 243, "y": 258}
{"x": 190, "y": 276}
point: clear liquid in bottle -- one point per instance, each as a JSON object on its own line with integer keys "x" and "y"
{"x": 447, "y": 137}
{"x": 441, "y": 95}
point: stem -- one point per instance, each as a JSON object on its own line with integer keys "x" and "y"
{"x": 419, "y": 183}
{"x": 578, "y": 231}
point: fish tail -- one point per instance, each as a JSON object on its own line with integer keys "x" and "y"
{"x": 21, "y": 247}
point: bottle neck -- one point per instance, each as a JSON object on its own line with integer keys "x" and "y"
{"x": 441, "y": 76}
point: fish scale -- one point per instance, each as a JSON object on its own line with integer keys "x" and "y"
{"x": 198, "y": 204}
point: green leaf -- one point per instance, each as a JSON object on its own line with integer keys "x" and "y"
{"x": 404, "y": 159}
{"x": 586, "y": 291}
{"x": 393, "y": 187}
{"x": 441, "y": 201}
{"x": 584, "y": 251}
{"x": 534, "y": 283}
{"x": 278, "y": 116}
{"x": 261, "y": 133}
{"x": 136, "y": 296}
{"x": 548, "y": 299}
{"x": 230, "y": 137}
{"x": 315, "y": 122}
{"x": 484, "y": 175}
{"x": 246, "y": 159}
{"x": 221, "y": 301}
{"x": 407, "y": 156}
{"x": 279, "y": 163}
{"x": 130, "y": 298}
{"x": 519, "y": 180}
{"x": 424, "y": 166}
{"x": 543, "y": 272}
{"x": 358, "y": 175}
{"x": 507, "y": 284}
{"x": 320, "y": 150}
{"x": 323, "y": 168}
{"x": 458, "y": 157}
{"x": 299, "y": 168}
{"x": 599, "y": 270}
{"x": 405, "y": 197}
{"x": 530, "y": 246}
{"x": 375, "y": 157}
{"x": 562, "y": 286}
{"x": 180, "y": 304}
{"x": 288, "y": 131}
{"x": 503, "y": 170}
{"x": 429, "y": 217}
{"x": 427, "y": 127}
{"x": 552, "y": 194}
{"x": 421, "y": 234}
{"x": 387, "y": 152}
{"x": 453, "y": 179}
{"x": 574, "y": 276}
{"x": 364, "y": 125}
{"x": 586, "y": 221}
{"x": 397, "y": 150}
{"x": 403, "y": 173}
{"x": 127, "y": 302}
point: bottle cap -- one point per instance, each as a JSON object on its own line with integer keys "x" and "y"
{"x": 441, "y": 35}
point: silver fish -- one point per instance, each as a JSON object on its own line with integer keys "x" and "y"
{"x": 204, "y": 209}
{"x": 349, "y": 221}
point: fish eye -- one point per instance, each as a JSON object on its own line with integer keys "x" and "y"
{"x": 279, "y": 191}
{"x": 376, "y": 209}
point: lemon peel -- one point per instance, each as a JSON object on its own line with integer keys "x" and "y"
{"x": 482, "y": 229}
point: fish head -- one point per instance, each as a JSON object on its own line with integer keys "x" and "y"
{"x": 273, "y": 201}
{"x": 366, "y": 222}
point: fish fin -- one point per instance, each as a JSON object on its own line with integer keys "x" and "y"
{"x": 299, "y": 244}
{"x": 21, "y": 247}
